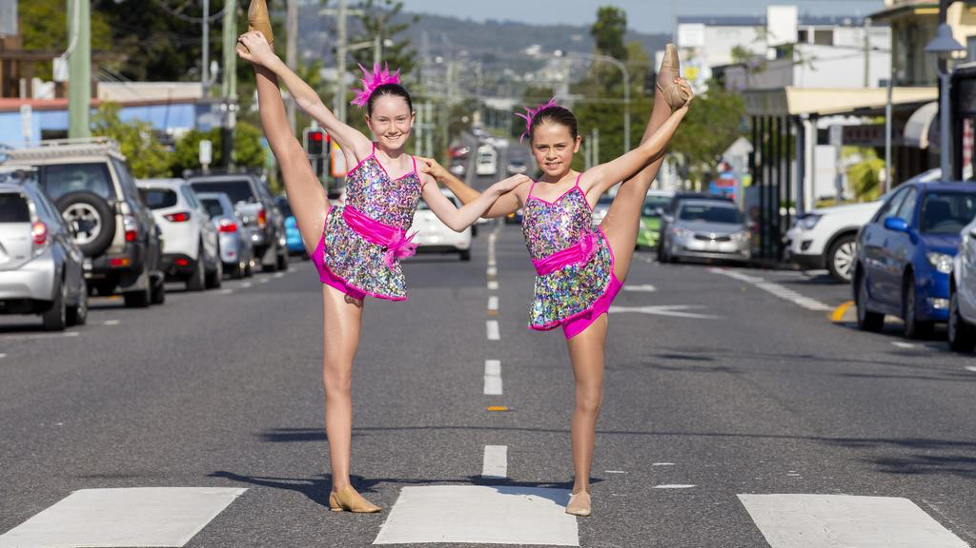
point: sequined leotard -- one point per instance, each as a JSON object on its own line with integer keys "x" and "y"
{"x": 575, "y": 283}
{"x": 364, "y": 238}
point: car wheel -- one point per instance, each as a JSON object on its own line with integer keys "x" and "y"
{"x": 914, "y": 328}
{"x": 78, "y": 314}
{"x": 840, "y": 257}
{"x": 466, "y": 255}
{"x": 215, "y": 278}
{"x": 198, "y": 278}
{"x": 237, "y": 271}
{"x": 249, "y": 269}
{"x": 866, "y": 320}
{"x": 141, "y": 298}
{"x": 92, "y": 218}
{"x": 961, "y": 334}
{"x": 159, "y": 290}
{"x": 283, "y": 258}
{"x": 56, "y": 317}
{"x": 273, "y": 265}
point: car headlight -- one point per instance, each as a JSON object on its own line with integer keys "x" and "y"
{"x": 742, "y": 236}
{"x": 809, "y": 221}
{"x": 941, "y": 262}
{"x": 682, "y": 232}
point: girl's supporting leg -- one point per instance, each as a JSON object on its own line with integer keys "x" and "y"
{"x": 343, "y": 322}
{"x": 586, "y": 351}
{"x": 305, "y": 194}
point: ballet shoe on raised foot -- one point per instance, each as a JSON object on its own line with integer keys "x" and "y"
{"x": 348, "y": 500}
{"x": 670, "y": 69}
{"x": 259, "y": 20}
{"x": 579, "y": 504}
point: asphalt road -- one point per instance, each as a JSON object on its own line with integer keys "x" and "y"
{"x": 721, "y": 382}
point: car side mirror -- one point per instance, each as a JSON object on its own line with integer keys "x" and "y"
{"x": 896, "y": 224}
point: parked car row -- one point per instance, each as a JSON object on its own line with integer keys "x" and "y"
{"x": 74, "y": 223}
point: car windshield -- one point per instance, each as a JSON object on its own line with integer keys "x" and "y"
{"x": 213, "y": 207}
{"x": 158, "y": 198}
{"x": 717, "y": 213}
{"x": 238, "y": 191}
{"x": 61, "y": 179}
{"x": 13, "y": 209}
{"x": 653, "y": 203}
{"x": 947, "y": 212}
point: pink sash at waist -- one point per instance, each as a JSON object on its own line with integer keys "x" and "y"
{"x": 398, "y": 245}
{"x": 578, "y": 253}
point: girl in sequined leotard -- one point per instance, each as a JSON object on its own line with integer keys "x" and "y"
{"x": 360, "y": 242}
{"x": 579, "y": 270}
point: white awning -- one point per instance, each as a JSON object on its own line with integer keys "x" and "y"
{"x": 828, "y": 102}
{"x": 919, "y": 124}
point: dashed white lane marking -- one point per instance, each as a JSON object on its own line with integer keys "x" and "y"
{"x": 970, "y": 368}
{"x": 676, "y": 311}
{"x": 40, "y": 336}
{"x": 501, "y": 514}
{"x": 492, "y": 285}
{"x": 900, "y": 344}
{"x": 246, "y": 285}
{"x": 644, "y": 287}
{"x": 264, "y": 280}
{"x": 291, "y": 270}
{"x": 614, "y": 472}
{"x": 491, "y": 271}
{"x": 225, "y": 291}
{"x": 2, "y": 355}
{"x": 673, "y": 486}
{"x": 142, "y": 516}
{"x": 495, "y": 464}
{"x": 279, "y": 274}
{"x": 816, "y": 521}
{"x": 778, "y": 290}
{"x": 493, "y": 303}
{"x": 662, "y": 464}
{"x": 493, "y": 377}
{"x": 111, "y": 322}
{"x": 492, "y": 328}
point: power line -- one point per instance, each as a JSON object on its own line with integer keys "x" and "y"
{"x": 190, "y": 19}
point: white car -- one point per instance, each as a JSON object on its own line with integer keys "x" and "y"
{"x": 962, "y": 293}
{"x": 435, "y": 236}
{"x": 190, "y": 240}
{"x": 827, "y": 238}
{"x": 486, "y": 162}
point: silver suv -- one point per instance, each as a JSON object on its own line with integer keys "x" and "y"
{"x": 40, "y": 266}
{"x": 89, "y": 181}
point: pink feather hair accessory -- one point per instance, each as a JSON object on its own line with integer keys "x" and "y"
{"x": 530, "y": 114}
{"x": 373, "y": 80}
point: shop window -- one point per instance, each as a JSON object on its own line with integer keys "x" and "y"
{"x": 823, "y": 37}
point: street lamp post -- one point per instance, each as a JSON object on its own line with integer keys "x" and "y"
{"x": 943, "y": 46}
{"x": 623, "y": 69}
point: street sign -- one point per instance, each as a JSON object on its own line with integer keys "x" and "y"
{"x": 26, "y": 124}
{"x": 864, "y": 135}
{"x": 206, "y": 153}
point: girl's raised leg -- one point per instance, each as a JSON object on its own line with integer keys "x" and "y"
{"x": 586, "y": 351}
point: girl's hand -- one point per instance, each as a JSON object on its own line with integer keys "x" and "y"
{"x": 507, "y": 185}
{"x": 258, "y": 51}
{"x": 431, "y": 167}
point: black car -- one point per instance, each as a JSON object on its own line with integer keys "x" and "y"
{"x": 253, "y": 202}
{"x": 667, "y": 214}
{"x": 90, "y": 183}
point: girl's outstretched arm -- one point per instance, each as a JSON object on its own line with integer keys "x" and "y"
{"x": 506, "y": 203}
{"x": 261, "y": 54}
{"x": 604, "y": 176}
{"x": 459, "y": 219}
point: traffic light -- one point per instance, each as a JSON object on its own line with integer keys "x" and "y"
{"x": 314, "y": 142}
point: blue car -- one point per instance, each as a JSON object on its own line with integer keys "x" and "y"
{"x": 293, "y": 238}
{"x": 905, "y": 253}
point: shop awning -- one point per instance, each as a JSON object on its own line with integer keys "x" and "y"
{"x": 830, "y": 101}
{"x": 919, "y": 126}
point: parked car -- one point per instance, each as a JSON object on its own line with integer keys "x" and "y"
{"x": 516, "y": 166}
{"x": 41, "y": 267}
{"x": 190, "y": 252}
{"x": 827, "y": 238}
{"x": 905, "y": 255}
{"x": 650, "y": 223}
{"x": 234, "y": 239}
{"x": 707, "y": 229}
{"x": 91, "y": 185}
{"x": 253, "y": 201}
{"x": 434, "y": 236}
{"x": 668, "y": 214}
{"x": 962, "y": 293}
{"x": 602, "y": 207}
{"x": 293, "y": 238}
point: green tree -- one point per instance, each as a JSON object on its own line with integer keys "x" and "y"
{"x": 44, "y": 26}
{"x": 609, "y": 30}
{"x": 377, "y": 20}
{"x": 248, "y": 149}
{"x": 146, "y": 156}
{"x": 712, "y": 124}
{"x": 865, "y": 175}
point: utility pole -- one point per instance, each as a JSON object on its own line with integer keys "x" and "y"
{"x": 228, "y": 88}
{"x": 79, "y": 69}
{"x": 291, "y": 53}
{"x": 342, "y": 51}
{"x": 867, "y": 52}
{"x": 205, "y": 62}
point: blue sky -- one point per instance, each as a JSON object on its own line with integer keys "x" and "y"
{"x": 642, "y": 15}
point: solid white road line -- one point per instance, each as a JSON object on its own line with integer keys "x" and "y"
{"x": 492, "y": 327}
{"x": 482, "y": 514}
{"x": 111, "y": 322}
{"x": 674, "y": 486}
{"x": 816, "y": 521}
{"x": 900, "y": 344}
{"x": 40, "y": 336}
{"x": 970, "y": 368}
{"x": 495, "y": 465}
{"x": 675, "y": 311}
{"x": 644, "y": 287}
{"x": 492, "y": 285}
{"x": 493, "y": 303}
{"x": 142, "y": 516}
{"x": 493, "y": 377}
{"x": 778, "y": 290}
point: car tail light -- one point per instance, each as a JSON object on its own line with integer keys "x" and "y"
{"x": 39, "y": 233}
{"x": 262, "y": 218}
{"x": 181, "y": 262}
{"x": 180, "y": 217}
{"x": 227, "y": 225}
{"x": 119, "y": 262}
{"x": 131, "y": 228}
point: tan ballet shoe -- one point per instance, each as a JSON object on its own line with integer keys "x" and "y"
{"x": 259, "y": 20}
{"x": 348, "y": 500}
{"x": 579, "y": 504}
{"x": 670, "y": 69}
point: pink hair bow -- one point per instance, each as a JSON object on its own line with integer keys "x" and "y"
{"x": 399, "y": 247}
{"x": 373, "y": 80}
{"x": 530, "y": 114}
